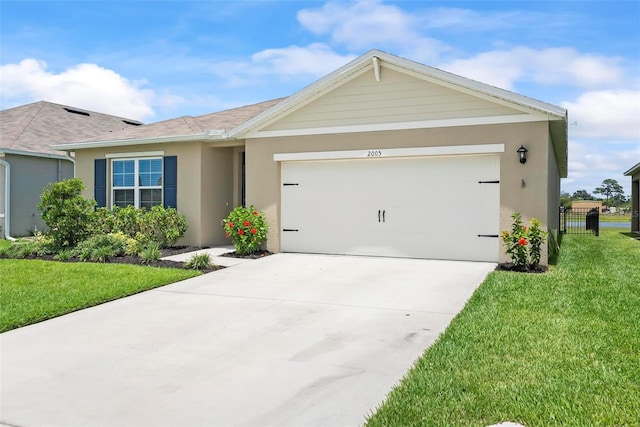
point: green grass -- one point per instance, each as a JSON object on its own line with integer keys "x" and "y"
{"x": 615, "y": 218}
{"x": 561, "y": 348}
{"x": 32, "y": 290}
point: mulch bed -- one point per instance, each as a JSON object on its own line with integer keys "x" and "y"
{"x": 511, "y": 267}
{"x": 254, "y": 255}
{"x": 174, "y": 250}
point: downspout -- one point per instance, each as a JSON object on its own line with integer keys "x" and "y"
{"x": 7, "y": 207}
{"x": 72, "y": 160}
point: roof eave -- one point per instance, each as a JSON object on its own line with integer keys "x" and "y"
{"x": 33, "y": 154}
{"x": 207, "y": 136}
{"x": 634, "y": 170}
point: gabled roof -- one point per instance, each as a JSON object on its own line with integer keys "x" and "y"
{"x": 374, "y": 58}
{"x": 634, "y": 170}
{"x": 243, "y": 122}
{"x": 33, "y": 128}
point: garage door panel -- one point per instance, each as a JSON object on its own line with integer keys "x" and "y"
{"x": 405, "y": 207}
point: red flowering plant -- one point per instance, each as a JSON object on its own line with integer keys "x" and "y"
{"x": 247, "y": 229}
{"x": 523, "y": 245}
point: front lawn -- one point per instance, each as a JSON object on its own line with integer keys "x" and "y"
{"x": 32, "y": 290}
{"x": 561, "y": 348}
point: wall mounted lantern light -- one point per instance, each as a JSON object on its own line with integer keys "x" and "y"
{"x": 523, "y": 154}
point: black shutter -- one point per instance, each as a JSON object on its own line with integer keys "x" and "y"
{"x": 100, "y": 182}
{"x": 170, "y": 179}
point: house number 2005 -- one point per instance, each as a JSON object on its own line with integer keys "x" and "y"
{"x": 374, "y": 153}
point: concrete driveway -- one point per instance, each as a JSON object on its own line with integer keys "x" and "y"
{"x": 287, "y": 340}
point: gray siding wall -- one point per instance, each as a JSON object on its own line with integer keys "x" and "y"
{"x": 29, "y": 176}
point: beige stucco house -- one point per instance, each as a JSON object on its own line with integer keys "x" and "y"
{"x": 28, "y": 163}
{"x": 634, "y": 173}
{"x": 585, "y": 205}
{"x": 384, "y": 156}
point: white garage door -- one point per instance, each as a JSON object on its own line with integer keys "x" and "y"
{"x": 416, "y": 207}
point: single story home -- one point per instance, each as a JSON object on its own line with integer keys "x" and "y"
{"x": 28, "y": 163}
{"x": 634, "y": 173}
{"x": 360, "y": 162}
{"x": 586, "y": 205}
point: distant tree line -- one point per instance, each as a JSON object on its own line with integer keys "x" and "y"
{"x": 612, "y": 191}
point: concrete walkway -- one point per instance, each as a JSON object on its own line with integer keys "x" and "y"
{"x": 214, "y": 253}
{"x": 286, "y": 340}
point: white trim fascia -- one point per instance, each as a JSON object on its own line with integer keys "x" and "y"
{"x": 32, "y": 154}
{"x": 633, "y": 170}
{"x": 426, "y": 124}
{"x": 209, "y": 136}
{"x": 134, "y": 154}
{"x": 381, "y": 153}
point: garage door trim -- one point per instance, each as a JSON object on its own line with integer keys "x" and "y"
{"x": 391, "y": 152}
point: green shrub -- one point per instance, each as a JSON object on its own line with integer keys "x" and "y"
{"x": 68, "y": 215}
{"x": 100, "y": 248}
{"x": 160, "y": 225}
{"x": 20, "y": 249}
{"x": 63, "y": 255}
{"x": 523, "y": 244}
{"x": 164, "y": 226}
{"x": 150, "y": 253}
{"x": 247, "y": 229}
{"x": 200, "y": 261}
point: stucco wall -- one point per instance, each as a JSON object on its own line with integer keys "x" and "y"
{"x": 29, "y": 176}
{"x": 190, "y": 179}
{"x": 524, "y": 188}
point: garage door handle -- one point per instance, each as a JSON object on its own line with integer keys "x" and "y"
{"x": 488, "y": 182}
{"x": 383, "y": 213}
{"x": 488, "y": 235}
{"x": 378, "y": 215}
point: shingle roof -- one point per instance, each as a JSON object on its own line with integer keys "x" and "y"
{"x": 35, "y": 127}
{"x": 188, "y": 125}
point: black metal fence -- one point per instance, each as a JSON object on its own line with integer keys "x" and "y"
{"x": 580, "y": 220}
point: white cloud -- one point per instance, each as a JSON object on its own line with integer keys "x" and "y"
{"x": 592, "y": 161}
{"x": 86, "y": 86}
{"x": 606, "y": 114}
{"x": 301, "y": 64}
{"x": 369, "y": 24}
{"x": 551, "y": 66}
{"x": 314, "y": 60}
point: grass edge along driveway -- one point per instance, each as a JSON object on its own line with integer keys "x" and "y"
{"x": 561, "y": 348}
{"x": 33, "y": 290}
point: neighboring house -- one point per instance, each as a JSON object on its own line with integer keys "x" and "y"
{"x": 28, "y": 163}
{"x": 360, "y": 162}
{"x": 587, "y": 205}
{"x": 634, "y": 173}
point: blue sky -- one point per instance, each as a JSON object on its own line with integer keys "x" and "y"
{"x": 154, "y": 60}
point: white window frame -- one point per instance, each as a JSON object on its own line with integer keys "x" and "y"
{"x": 136, "y": 183}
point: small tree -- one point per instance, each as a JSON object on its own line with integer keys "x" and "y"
{"x": 610, "y": 188}
{"x": 67, "y": 214}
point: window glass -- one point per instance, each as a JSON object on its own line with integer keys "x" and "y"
{"x": 123, "y": 173}
{"x": 150, "y": 172}
{"x": 133, "y": 182}
{"x": 150, "y": 198}
{"x": 123, "y": 198}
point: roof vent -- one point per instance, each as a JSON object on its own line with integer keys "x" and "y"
{"x": 129, "y": 122}
{"x": 71, "y": 110}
